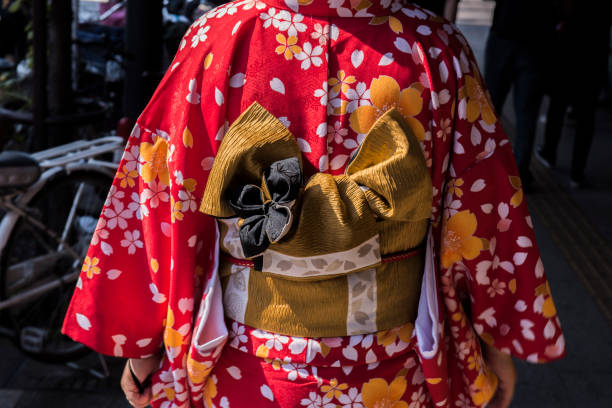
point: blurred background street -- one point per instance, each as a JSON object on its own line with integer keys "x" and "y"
{"x": 574, "y": 231}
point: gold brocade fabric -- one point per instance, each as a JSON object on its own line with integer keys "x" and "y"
{"x": 325, "y": 277}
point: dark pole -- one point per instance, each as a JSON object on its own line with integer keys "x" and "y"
{"x": 60, "y": 69}
{"x": 39, "y": 17}
{"x": 143, "y": 42}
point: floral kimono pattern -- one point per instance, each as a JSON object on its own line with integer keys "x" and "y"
{"x": 328, "y": 70}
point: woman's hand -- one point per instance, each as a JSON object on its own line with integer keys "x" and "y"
{"x": 142, "y": 368}
{"x": 503, "y": 367}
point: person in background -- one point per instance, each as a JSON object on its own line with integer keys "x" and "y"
{"x": 445, "y": 8}
{"x": 582, "y": 22}
{"x": 516, "y": 55}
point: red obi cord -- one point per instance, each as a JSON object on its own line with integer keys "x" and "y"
{"x": 397, "y": 256}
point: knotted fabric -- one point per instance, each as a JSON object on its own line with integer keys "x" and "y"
{"x": 257, "y": 174}
{"x": 267, "y": 212}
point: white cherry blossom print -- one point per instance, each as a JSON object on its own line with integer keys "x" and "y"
{"x": 336, "y": 133}
{"x": 322, "y": 94}
{"x": 236, "y": 26}
{"x": 200, "y": 22}
{"x": 155, "y": 193}
{"x": 83, "y": 321}
{"x": 320, "y": 33}
{"x": 118, "y": 215}
{"x": 229, "y": 9}
{"x": 113, "y": 274}
{"x": 132, "y": 159}
{"x": 193, "y": 97}
{"x": 131, "y": 241}
{"x": 295, "y": 370}
{"x": 360, "y": 96}
{"x": 139, "y": 205}
{"x": 274, "y": 341}
{"x": 200, "y": 36}
{"x": 114, "y": 195}
{"x": 418, "y": 399}
{"x": 266, "y": 392}
{"x": 351, "y": 399}
{"x": 257, "y": 4}
{"x": 310, "y": 56}
{"x": 157, "y": 296}
{"x": 497, "y": 288}
{"x": 236, "y": 335}
{"x": 277, "y": 85}
{"x": 188, "y": 201}
{"x": 100, "y": 233}
{"x": 270, "y": 18}
{"x": 292, "y": 23}
{"x": 315, "y": 400}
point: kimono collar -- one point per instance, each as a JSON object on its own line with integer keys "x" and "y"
{"x": 340, "y": 8}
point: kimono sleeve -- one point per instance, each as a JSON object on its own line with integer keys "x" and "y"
{"x": 148, "y": 256}
{"x": 487, "y": 235}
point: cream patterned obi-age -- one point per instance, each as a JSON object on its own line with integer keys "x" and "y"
{"x": 332, "y": 256}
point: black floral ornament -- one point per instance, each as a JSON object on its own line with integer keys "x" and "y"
{"x": 267, "y": 214}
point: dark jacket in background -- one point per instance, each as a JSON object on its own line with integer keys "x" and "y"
{"x": 526, "y": 21}
{"x": 437, "y": 6}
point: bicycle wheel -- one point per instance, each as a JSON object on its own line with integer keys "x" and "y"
{"x": 69, "y": 205}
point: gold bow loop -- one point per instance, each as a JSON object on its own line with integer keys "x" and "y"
{"x": 387, "y": 179}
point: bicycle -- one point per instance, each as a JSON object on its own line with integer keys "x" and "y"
{"x": 51, "y": 200}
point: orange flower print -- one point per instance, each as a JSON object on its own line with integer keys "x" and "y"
{"x": 458, "y": 240}
{"x": 445, "y": 129}
{"x": 454, "y": 187}
{"x": 210, "y": 390}
{"x": 334, "y": 390}
{"x": 177, "y": 210}
{"x": 172, "y": 337}
{"x": 394, "y": 23}
{"x": 477, "y": 101}
{"x": 90, "y": 267}
{"x": 127, "y": 177}
{"x": 544, "y": 302}
{"x": 341, "y": 82}
{"x": 155, "y": 166}
{"x": 197, "y": 372}
{"x": 376, "y": 393}
{"x": 385, "y": 94}
{"x": 388, "y": 337}
{"x": 167, "y": 393}
{"x": 474, "y": 362}
{"x": 517, "y": 198}
{"x": 460, "y": 317}
{"x": 484, "y": 387}
{"x": 288, "y": 46}
{"x": 497, "y": 288}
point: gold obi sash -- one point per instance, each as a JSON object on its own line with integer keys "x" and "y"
{"x": 313, "y": 260}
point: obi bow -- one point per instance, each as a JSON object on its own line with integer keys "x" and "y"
{"x": 257, "y": 177}
{"x": 266, "y": 212}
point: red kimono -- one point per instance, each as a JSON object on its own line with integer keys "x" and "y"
{"x": 328, "y": 69}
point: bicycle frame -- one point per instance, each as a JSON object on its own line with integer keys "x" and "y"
{"x": 75, "y": 156}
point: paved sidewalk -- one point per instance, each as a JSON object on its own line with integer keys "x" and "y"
{"x": 25, "y": 383}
